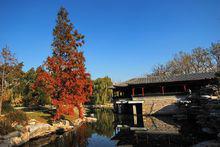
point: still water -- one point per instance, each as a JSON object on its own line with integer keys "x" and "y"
{"x": 123, "y": 130}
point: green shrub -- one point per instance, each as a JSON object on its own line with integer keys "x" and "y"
{"x": 6, "y": 107}
{"x": 17, "y": 116}
{"x": 5, "y": 127}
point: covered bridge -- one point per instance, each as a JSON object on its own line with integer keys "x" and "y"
{"x": 151, "y": 94}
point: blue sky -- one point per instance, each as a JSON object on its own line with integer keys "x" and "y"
{"x": 124, "y": 38}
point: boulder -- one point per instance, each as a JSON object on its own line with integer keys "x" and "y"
{"x": 11, "y": 135}
{"x": 32, "y": 122}
{"x": 78, "y": 121}
{"x": 61, "y": 123}
{"x": 64, "y": 124}
{"x": 34, "y": 130}
{"x": 90, "y": 119}
{"x": 39, "y": 130}
{"x": 17, "y": 141}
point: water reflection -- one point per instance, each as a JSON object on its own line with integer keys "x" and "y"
{"x": 146, "y": 124}
{"x": 124, "y": 130}
{"x": 104, "y": 125}
{"x": 140, "y": 131}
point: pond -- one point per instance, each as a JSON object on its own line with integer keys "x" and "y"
{"x": 120, "y": 130}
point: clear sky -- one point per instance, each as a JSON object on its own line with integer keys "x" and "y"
{"x": 124, "y": 38}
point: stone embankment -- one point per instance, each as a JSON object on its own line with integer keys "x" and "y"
{"x": 36, "y": 129}
{"x": 105, "y": 106}
{"x": 205, "y": 111}
{"x": 159, "y": 105}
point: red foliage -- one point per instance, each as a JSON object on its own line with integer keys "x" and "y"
{"x": 63, "y": 76}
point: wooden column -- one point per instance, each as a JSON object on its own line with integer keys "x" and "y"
{"x": 133, "y": 91}
{"x": 162, "y": 90}
{"x": 184, "y": 87}
{"x": 142, "y": 91}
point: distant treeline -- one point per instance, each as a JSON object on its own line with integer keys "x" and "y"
{"x": 16, "y": 84}
{"x": 101, "y": 92}
{"x": 199, "y": 60}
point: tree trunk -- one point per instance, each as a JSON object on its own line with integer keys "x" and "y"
{"x": 1, "y": 104}
{"x": 2, "y": 89}
{"x": 81, "y": 110}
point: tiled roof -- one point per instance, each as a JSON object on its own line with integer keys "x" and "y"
{"x": 166, "y": 79}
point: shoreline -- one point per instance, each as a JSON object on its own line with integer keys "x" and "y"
{"x": 105, "y": 106}
{"x": 35, "y": 130}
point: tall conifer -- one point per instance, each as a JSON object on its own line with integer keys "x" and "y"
{"x": 64, "y": 75}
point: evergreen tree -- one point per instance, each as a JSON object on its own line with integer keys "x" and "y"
{"x": 63, "y": 76}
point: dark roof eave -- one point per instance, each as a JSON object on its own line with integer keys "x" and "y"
{"x": 173, "y": 79}
{"x": 169, "y": 82}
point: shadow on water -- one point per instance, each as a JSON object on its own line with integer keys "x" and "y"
{"x": 125, "y": 130}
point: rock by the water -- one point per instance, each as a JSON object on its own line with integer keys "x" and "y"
{"x": 90, "y": 119}
{"x": 209, "y": 143}
{"x": 12, "y": 134}
{"x": 77, "y": 122}
{"x": 35, "y": 129}
{"x": 208, "y": 131}
{"x": 16, "y": 141}
{"x": 32, "y": 122}
{"x": 39, "y": 130}
{"x": 65, "y": 124}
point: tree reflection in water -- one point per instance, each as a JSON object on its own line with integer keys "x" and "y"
{"x": 155, "y": 131}
{"x": 82, "y": 134}
{"x": 115, "y": 130}
{"x": 104, "y": 125}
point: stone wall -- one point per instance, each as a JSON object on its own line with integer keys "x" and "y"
{"x": 159, "y": 105}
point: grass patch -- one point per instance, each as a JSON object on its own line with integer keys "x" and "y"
{"x": 39, "y": 116}
{"x": 46, "y": 117}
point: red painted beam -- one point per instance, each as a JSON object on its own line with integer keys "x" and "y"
{"x": 142, "y": 91}
{"x": 133, "y": 91}
{"x": 184, "y": 87}
{"x": 162, "y": 89}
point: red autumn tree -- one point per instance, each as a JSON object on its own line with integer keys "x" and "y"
{"x": 63, "y": 76}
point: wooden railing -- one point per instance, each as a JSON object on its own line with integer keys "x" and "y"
{"x": 161, "y": 94}
{"x": 151, "y": 94}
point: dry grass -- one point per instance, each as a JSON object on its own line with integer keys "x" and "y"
{"x": 39, "y": 116}
{"x": 71, "y": 118}
{"x": 46, "y": 118}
